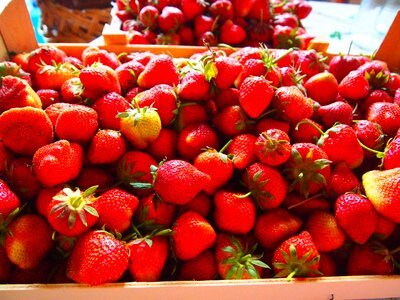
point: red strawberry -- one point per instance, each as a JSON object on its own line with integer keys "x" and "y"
{"x": 387, "y": 115}
{"x": 285, "y": 37}
{"x": 243, "y": 150}
{"x": 53, "y": 76}
{"x": 308, "y": 168}
{"x": 304, "y": 207}
{"x": 192, "y": 235}
{"x": 337, "y": 111}
{"x": 193, "y": 86}
{"x": 342, "y": 180}
{"x": 222, "y": 9}
{"x": 260, "y": 10}
{"x": 159, "y": 70}
{"x": 92, "y": 54}
{"x": 26, "y": 129}
{"x": 190, "y": 113}
{"x": 71, "y": 91}
{"x": 327, "y": 265}
{"x": 306, "y": 131}
{"x": 265, "y": 124}
{"x": 234, "y": 213}
{"x": 193, "y": 8}
{"x": 9, "y": 201}
{"x": 170, "y": 19}
{"x": 296, "y": 257}
{"x": 48, "y": 97}
{"x": 165, "y": 146}
{"x": 44, "y": 55}
{"x": 242, "y": 8}
{"x": 14, "y": 69}
{"x": 266, "y": 185}
{"x": 107, "y": 146}
{"x": 231, "y": 120}
{"x": 375, "y": 96}
{"x": 274, "y": 226}
{"x": 44, "y": 198}
{"x": 228, "y": 69}
{"x": 57, "y": 163}
{"x": 152, "y": 211}
{"x": 202, "y": 267}
{"x": 273, "y": 147}
{"x": 115, "y": 208}
{"x": 369, "y": 134}
{"x": 97, "y": 258}
{"x": 148, "y": 16}
{"x": 203, "y": 24}
{"x": 201, "y": 203}
{"x": 309, "y": 62}
{"x": 29, "y": 241}
{"x": 94, "y": 175}
{"x": 71, "y": 212}
{"x": 231, "y": 33}
{"x": 341, "y": 65}
{"x": 350, "y": 209}
{"x": 354, "y": 86}
{"x": 255, "y": 95}
{"x": 127, "y": 74}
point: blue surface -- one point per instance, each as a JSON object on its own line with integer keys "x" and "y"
{"x": 34, "y": 12}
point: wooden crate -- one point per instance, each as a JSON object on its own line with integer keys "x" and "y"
{"x": 22, "y": 39}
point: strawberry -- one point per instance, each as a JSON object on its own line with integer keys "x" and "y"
{"x": 341, "y": 65}
{"x": 190, "y": 112}
{"x": 285, "y": 37}
{"x": 201, "y": 203}
{"x": 107, "y": 108}
{"x": 71, "y": 212}
{"x": 71, "y": 90}
{"x": 24, "y": 130}
{"x": 170, "y": 19}
{"x": 327, "y": 265}
{"x": 53, "y": 76}
{"x": 193, "y": 86}
{"x": 115, "y": 208}
{"x": 147, "y": 257}
{"x": 342, "y": 180}
{"x": 203, "y": 24}
{"x": 193, "y": 8}
{"x": 384, "y": 229}
{"x": 381, "y": 189}
{"x": 44, "y": 198}
{"x": 21, "y": 179}
{"x": 231, "y": 120}
{"x": 291, "y": 104}
{"x": 260, "y": 10}
{"x": 154, "y": 212}
{"x": 251, "y": 67}
{"x": 28, "y": 241}
{"x": 159, "y": 70}
{"x": 236, "y": 258}
{"x": 337, "y": 111}
{"x": 192, "y": 235}
{"x": 107, "y": 146}
{"x": 222, "y": 9}
{"x": 16, "y": 92}
{"x": 78, "y": 123}
{"x": 94, "y": 175}
{"x": 325, "y": 231}
{"x": 9, "y": 201}
{"x": 375, "y": 96}
{"x": 186, "y": 179}
{"x": 369, "y": 134}
{"x": 57, "y": 163}
{"x": 231, "y": 33}
{"x": 228, "y": 69}
{"x": 48, "y": 97}
{"x": 242, "y": 8}
{"x": 350, "y": 209}
{"x": 243, "y": 150}
{"x": 354, "y": 86}
{"x": 387, "y": 115}
{"x": 234, "y": 212}
{"x": 97, "y": 258}
{"x": 273, "y": 147}
{"x": 92, "y": 54}
{"x": 194, "y": 137}
{"x": 165, "y": 146}
{"x": 365, "y": 260}
{"x": 148, "y": 16}
{"x": 274, "y": 226}
{"x": 140, "y": 126}
{"x": 162, "y": 98}
{"x": 202, "y": 267}
{"x": 13, "y": 69}
{"x": 390, "y": 158}
{"x": 306, "y": 131}
{"x": 265, "y": 184}
{"x": 44, "y": 55}
{"x": 266, "y": 123}
{"x": 217, "y": 165}
{"x": 255, "y": 95}
{"x": 309, "y": 62}
{"x": 296, "y": 257}
{"x": 304, "y": 207}
{"x": 127, "y": 74}
{"x": 308, "y": 168}
{"x": 186, "y": 35}
{"x": 98, "y": 80}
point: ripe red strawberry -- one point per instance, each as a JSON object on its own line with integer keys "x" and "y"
{"x": 369, "y": 134}
{"x": 337, "y": 111}
{"x": 365, "y": 260}
{"x": 57, "y": 163}
{"x": 308, "y": 168}
{"x": 192, "y": 235}
{"x": 306, "y": 131}
{"x": 342, "y": 180}
{"x": 53, "y": 76}
{"x": 201, "y": 203}
{"x": 25, "y": 129}
{"x": 350, "y": 209}
{"x": 255, "y": 95}
{"x": 107, "y": 108}
{"x": 325, "y": 231}
{"x": 327, "y": 265}
{"x": 93, "y": 54}
{"x": 71, "y": 212}
{"x": 195, "y": 137}
{"x": 274, "y": 226}
{"x": 71, "y": 91}
{"x": 44, "y": 55}
{"x": 384, "y": 229}
{"x": 309, "y": 62}
{"x": 148, "y": 16}
{"x": 193, "y": 8}
{"x": 165, "y": 146}
{"x": 21, "y": 179}
{"x": 170, "y": 19}
{"x": 340, "y": 143}
{"x": 285, "y": 37}
{"x": 375, "y": 96}
{"x": 266, "y": 123}
{"x": 107, "y": 146}
{"x": 243, "y": 150}
{"x": 236, "y": 258}
{"x": 159, "y": 70}
{"x": 354, "y": 86}
{"x": 203, "y": 25}
{"x": 387, "y": 115}
{"x": 390, "y": 159}
{"x": 296, "y": 257}
{"x": 228, "y": 70}
{"x": 127, "y": 74}
{"x": 186, "y": 179}
{"x": 95, "y": 175}
{"x": 9, "y": 201}
{"x": 231, "y": 33}
{"x": 202, "y": 267}
{"x": 242, "y": 8}
{"x": 162, "y": 97}
{"x": 222, "y": 9}
{"x": 341, "y": 65}
{"x": 43, "y": 199}
{"x": 115, "y": 208}
{"x": 28, "y": 241}
{"x": 231, "y": 120}
{"x": 304, "y": 207}
{"x": 266, "y": 185}
{"x": 251, "y": 67}
{"x": 97, "y": 258}
{"x": 77, "y": 123}
{"x": 260, "y": 10}
{"x": 193, "y": 86}
{"x": 14, "y": 69}
{"x": 291, "y": 104}
{"x": 154, "y": 212}
{"x": 147, "y": 257}
{"x": 273, "y": 147}
{"x": 48, "y": 97}
{"x": 381, "y": 189}
{"x": 190, "y": 113}
{"x": 234, "y": 212}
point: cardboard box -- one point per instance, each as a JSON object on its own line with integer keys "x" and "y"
{"x": 18, "y": 36}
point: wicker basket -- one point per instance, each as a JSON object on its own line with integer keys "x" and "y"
{"x": 60, "y": 23}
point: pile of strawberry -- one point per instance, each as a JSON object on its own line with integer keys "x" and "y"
{"x": 252, "y": 163}
{"x": 275, "y": 23}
